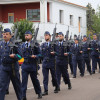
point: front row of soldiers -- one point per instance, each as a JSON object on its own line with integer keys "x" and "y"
{"x": 54, "y": 58}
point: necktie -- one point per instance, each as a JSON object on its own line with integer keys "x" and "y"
{"x": 76, "y": 45}
{"x": 47, "y": 44}
{"x": 27, "y": 45}
{"x": 60, "y": 44}
{"x": 5, "y": 43}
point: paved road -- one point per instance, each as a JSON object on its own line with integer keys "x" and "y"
{"x": 83, "y": 88}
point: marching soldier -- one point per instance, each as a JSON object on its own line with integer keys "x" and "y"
{"x": 95, "y": 54}
{"x": 30, "y": 66}
{"x": 62, "y": 62}
{"x": 9, "y": 66}
{"x": 86, "y": 56}
{"x": 77, "y": 58}
{"x": 48, "y": 64}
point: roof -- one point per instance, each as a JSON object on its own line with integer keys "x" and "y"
{"x": 72, "y": 4}
{"x": 17, "y": 1}
{"x": 30, "y": 1}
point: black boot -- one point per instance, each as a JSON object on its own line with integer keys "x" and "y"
{"x": 24, "y": 98}
{"x": 45, "y": 93}
{"x": 93, "y": 72}
{"x": 39, "y": 95}
{"x": 69, "y": 86}
{"x": 56, "y": 89}
{"x": 59, "y": 88}
{"x": 90, "y": 73}
{"x": 82, "y": 75}
{"x": 74, "y": 76}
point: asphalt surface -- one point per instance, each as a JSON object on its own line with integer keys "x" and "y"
{"x": 83, "y": 88}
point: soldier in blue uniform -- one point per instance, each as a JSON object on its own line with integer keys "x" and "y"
{"x": 30, "y": 66}
{"x": 9, "y": 66}
{"x": 48, "y": 64}
{"x": 86, "y": 54}
{"x": 77, "y": 58}
{"x": 62, "y": 61}
{"x": 95, "y": 53}
{"x": 7, "y": 90}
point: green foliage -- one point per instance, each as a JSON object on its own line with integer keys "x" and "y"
{"x": 90, "y": 32}
{"x": 93, "y": 20}
{"x": 1, "y": 28}
{"x": 22, "y": 25}
{"x": 96, "y": 24}
{"x": 90, "y": 14}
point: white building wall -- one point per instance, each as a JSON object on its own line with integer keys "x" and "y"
{"x": 54, "y": 18}
{"x": 69, "y": 10}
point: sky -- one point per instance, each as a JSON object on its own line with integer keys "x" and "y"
{"x": 94, "y": 3}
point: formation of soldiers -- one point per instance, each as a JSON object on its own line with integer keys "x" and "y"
{"x": 56, "y": 54}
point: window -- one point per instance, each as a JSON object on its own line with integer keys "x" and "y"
{"x": 10, "y": 17}
{"x": 80, "y": 21}
{"x": 71, "y": 19}
{"x": 61, "y": 16}
{"x": 33, "y": 14}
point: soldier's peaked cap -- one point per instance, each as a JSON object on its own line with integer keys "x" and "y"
{"x": 94, "y": 34}
{"x": 7, "y": 30}
{"x": 60, "y": 33}
{"x": 28, "y": 32}
{"x": 47, "y": 33}
{"x": 84, "y": 36}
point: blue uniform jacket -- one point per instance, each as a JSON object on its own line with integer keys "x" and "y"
{"x": 76, "y": 52}
{"x": 94, "y": 45}
{"x": 30, "y": 64}
{"x": 60, "y": 57}
{"x": 85, "y": 50}
{"x": 6, "y": 61}
{"x": 48, "y": 58}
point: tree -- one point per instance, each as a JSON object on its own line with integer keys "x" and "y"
{"x": 96, "y": 21}
{"x": 96, "y": 24}
{"x": 93, "y": 20}
{"x": 22, "y": 25}
{"x": 90, "y": 14}
{"x": 98, "y": 11}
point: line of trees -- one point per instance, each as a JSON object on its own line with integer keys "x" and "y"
{"x": 93, "y": 20}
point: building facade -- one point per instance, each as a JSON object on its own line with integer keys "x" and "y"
{"x": 47, "y": 13}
